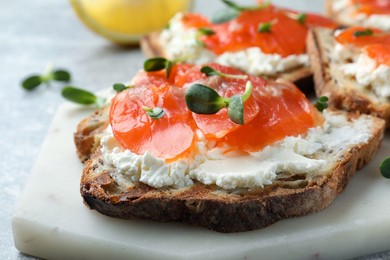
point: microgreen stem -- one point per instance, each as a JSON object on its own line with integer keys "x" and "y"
{"x": 154, "y": 113}
{"x": 248, "y": 91}
{"x": 238, "y": 7}
{"x": 209, "y": 71}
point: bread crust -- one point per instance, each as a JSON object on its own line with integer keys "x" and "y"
{"x": 215, "y": 208}
{"x": 301, "y": 76}
{"x": 88, "y": 133}
{"x": 341, "y": 96}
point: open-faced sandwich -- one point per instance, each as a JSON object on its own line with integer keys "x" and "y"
{"x": 368, "y": 13}
{"x": 262, "y": 40}
{"x": 352, "y": 67}
{"x": 212, "y": 146}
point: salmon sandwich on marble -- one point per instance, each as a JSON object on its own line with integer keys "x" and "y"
{"x": 212, "y": 146}
{"x": 262, "y": 40}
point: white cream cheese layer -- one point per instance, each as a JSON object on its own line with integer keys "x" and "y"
{"x": 212, "y": 165}
{"x": 180, "y": 43}
{"x": 369, "y": 75}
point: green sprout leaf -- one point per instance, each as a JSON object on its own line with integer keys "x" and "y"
{"x": 155, "y": 64}
{"x": 385, "y": 168}
{"x": 154, "y": 113}
{"x": 366, "y": 32}
{"x": 31, "y": 82}
{"x": 158, "y": 63}
{"x": 240, "y": 8}
{"x": 224, "y": 15}
{"x": 264, "y": 27}
{"x": 119, "y": 87}
{"x": 301, "y": 18}
{"x": 209, "y": 71}
{"x": 202, "y": 99}
{"x": 61, "y": 75}
{"x": 203, "y": 31}
{"x": 236, "y": 110}
{"x": 81, "y": 96}
{"x": 321, "y": 103}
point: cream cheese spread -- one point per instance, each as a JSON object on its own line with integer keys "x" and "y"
{"x": 180, "y": 43}
{"x": 369, "y": 75}
{"x": 209, "y": 164}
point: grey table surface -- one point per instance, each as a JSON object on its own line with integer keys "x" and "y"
{"x": 33, "y": 34}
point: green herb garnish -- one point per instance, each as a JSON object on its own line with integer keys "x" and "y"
{"x": 33, "y": 81}
{"x": 209, "y": 71}
{"x": 82, "y": 96}
{"x": 234, "y": 10}
{"x": 203, "y": 31}
{"x": 154, "y": 113}
{"x": 202, "y": 99}
{"x": 366, "y": 32}
{"x": 240, "y": 8}
{"x": 158, "y": 63}
{"x": 264, "y": 27}
{"x": 119, "y": 87}
{"x": 321, "y": 103}
{"x": 301, "y": 18}
{"x": 385, "y": 168}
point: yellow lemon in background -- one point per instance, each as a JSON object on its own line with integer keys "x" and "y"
{"x": 126, "y": 21}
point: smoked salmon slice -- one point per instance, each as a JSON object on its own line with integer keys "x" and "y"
{"x": 287, "y": 35}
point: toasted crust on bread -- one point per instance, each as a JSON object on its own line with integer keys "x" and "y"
{"x": 88, "y": 134}
{"x": 151, "y": 47}
{"x": 215, "y": 208}
{"x": 329, "y": 82}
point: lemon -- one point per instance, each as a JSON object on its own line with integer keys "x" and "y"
{"x": 126, "y": 21}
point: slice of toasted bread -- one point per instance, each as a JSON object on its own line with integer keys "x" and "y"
{"x": 342, "y": 91}
{"x": 218, "y": 209}
{"x": 302, "y": 76}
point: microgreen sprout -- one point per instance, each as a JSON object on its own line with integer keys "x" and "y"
{"x": 385, "y": 168}
{"x": 240, "y": 8}
{"x": 154, "y": 113}
{"x": 264, "y": 27}
{"x": 33, "y": 81}
{"x": 203, "y": 31}
{"x": 202, "y": 99}
{"x": 158, "y": 63}
{"x": 82, "y": 96}
{"x": 366, "y": 32}
{"x": 234, "y": 10}
{"x": 209, "y": 71}
{"x": 321, "y": 103}
{"x": 301, "y": 18}
{"x": 119, "y": 87}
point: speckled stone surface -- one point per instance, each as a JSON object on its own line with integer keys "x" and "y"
{"x": 32, "y": 34}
